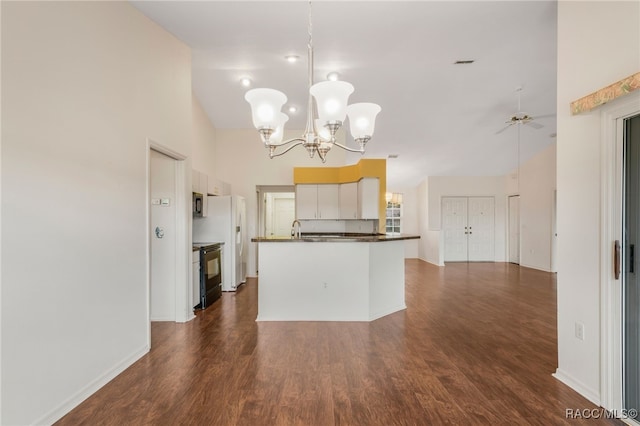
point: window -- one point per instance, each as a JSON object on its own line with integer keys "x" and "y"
{"x": 394, "y": 213}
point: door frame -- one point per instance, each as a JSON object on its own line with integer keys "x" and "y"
{"x": 611, "y": 177}
{"x": 261, "y": 217}
{"x": 183, "y": 227}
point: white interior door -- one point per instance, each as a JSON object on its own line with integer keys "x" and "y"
{"x": 163, "y": 237}
{"x": 480, "y": 220}
{"x": 514, "y": 229}
{"x": 454, "y": 226}
{"x": 284, "y": 213}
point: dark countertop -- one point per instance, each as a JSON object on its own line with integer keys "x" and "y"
{"x": 337, "y": 237}
{"x": 198, "y": 246}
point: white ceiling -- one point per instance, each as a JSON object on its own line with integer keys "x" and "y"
{"x": 440, "y": 118}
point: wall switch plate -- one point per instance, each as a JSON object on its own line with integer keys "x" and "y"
{"x": 579, "y": 328}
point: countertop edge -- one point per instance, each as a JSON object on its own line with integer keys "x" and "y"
{"x": 348, "y": 239}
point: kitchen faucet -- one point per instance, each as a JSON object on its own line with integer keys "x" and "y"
{"x": 293, "y": 229}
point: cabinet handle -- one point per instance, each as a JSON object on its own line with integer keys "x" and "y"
{"x": 616, "y": 259}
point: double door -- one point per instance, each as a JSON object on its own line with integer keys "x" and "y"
{"x": 468, "y": 225}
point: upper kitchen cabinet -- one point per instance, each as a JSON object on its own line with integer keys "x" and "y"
{"x": 318, "y": 201}
{"x": 306, "y": 201}
{"x": 329, "y": 201}
{"x": 349, "y": 200}
{"x": 369, "y": 198}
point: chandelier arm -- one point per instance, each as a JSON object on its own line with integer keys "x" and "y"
{"x": 286, "y": 150}
{"x": 287, "y": 142}
{"x": 346, "y": 148}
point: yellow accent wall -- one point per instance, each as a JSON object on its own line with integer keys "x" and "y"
{"x": 367, "y": 167}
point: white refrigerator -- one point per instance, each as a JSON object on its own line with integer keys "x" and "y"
{"x": 226, "y": 222}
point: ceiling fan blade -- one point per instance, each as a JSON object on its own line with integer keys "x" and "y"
{"x": 504, "y": 128}
{"x": 544, "y": 116}
{"x": 534, "y": 124}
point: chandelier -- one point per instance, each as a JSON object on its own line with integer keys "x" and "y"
{"x": 330, "y": 108}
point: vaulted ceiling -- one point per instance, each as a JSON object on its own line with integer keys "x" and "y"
{"x": 438, "y": 117}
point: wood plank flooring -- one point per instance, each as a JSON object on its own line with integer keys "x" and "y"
{"x": 476, "y": 345}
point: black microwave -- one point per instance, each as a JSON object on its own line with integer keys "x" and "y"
{"x": 198, "y": 199}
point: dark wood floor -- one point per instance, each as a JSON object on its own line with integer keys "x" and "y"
{"x": 476, "y": 345}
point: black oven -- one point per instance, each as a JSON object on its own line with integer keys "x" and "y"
{"x": 210, "y": 274}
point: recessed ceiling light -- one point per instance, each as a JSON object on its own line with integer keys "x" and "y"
{"x": 392, "y": 156}
{"x": 292, "y": 109}
{"x": 246, "y": 82}
{"x": 464, "y": 62}
{"x": 333, "y": 76}
{"x": 292, "y": 58}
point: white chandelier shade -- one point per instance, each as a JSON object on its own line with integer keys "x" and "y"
{"x": 331, "y": 100}
{"x": 265, "y": 107}
{"x": 362, "y": 119}
{"x": 276, "y": 136}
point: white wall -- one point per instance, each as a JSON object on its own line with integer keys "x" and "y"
{"x": 204, "y": 141}
{"x": 242, "y": 160}
{"x": 84, "y": 85}
{"x": 537, "y": 184}
{"x": 598, "y": 44}
{"x": 488, "y": 186}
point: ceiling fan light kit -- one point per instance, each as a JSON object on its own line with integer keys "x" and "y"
{"x": 330, "y": 107}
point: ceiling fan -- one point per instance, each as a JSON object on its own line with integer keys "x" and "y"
{"x": 522, "y": 117}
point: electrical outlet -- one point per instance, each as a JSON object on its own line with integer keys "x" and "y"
{"x": 579, "y": 330}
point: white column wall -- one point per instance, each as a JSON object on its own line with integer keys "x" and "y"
{"x": 598, "y": 44}
{"x": 537, "y": 184}
{"x": 84, "y": 84}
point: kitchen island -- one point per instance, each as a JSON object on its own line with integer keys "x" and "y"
{"x": 330, "y": 277}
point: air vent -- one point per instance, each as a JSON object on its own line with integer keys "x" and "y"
{"x": 393, "y": 156}
{"x": 464, "y": 62}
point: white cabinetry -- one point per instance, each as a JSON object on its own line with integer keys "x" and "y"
{"x": 368, "y": 198}
{"x": 329, "y": 201}
{"x": 320, "y": 201}
{"x": 195, "y": 291}
{"x": 306, "y": 201}
{"x": 218, "y": 187}
{"x": 349, "y": 200}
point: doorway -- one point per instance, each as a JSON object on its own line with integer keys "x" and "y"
{"x": 169, "y": 254}
{"x": 163, "y": 237}
{"x": 468, "y": 226}
{"x": 514, "y": 229}
{"x": 276, "y": 212}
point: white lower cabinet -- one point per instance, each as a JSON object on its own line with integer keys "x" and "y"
{"x": 195, "y": 292}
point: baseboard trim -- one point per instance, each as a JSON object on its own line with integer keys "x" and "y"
{"x": 430, "y": 262}
{"x": 57, "y": 413}
{"x": 535, "y": 267}
{"x": 577, "y": 386}
{"x": 386, "y": 312}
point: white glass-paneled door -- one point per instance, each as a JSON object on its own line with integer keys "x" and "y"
{"x": 468, "y": 225}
